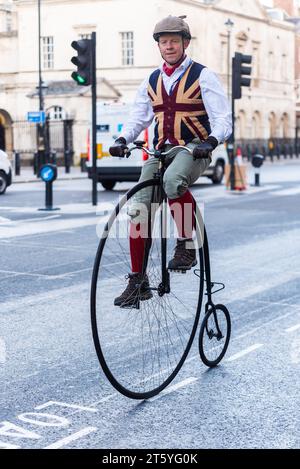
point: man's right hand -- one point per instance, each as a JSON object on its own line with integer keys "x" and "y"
{"x": 119, "y": 147}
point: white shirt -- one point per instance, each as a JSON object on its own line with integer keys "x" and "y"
{"x": 214, "y": 100}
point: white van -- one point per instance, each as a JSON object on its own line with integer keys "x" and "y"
{"x": 5, "y": 172}
{"x": 110, "y": 121}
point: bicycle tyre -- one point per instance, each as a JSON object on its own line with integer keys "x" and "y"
{"x": 209, "y": 331}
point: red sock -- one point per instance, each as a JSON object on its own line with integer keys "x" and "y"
{"x": 137, "y": 247}
{"x": 182, "y": 210}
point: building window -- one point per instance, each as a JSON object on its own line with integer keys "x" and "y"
{"x": 271, "y": 65}
{"x": 56, "y": 113}
{"x": 48, "y": 52}
{"x": 8, "y": 21}
{"x": 127, "y": 48}
{"x": 255, "y": 61}
{"x": 284, "y": 67}
{"x": 85, "y": 36}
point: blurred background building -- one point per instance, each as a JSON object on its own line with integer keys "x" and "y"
{"x": 126, "y": 54}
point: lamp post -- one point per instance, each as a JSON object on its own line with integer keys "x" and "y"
{"x": 41, "y": 103}
{"x": 230, "y": 144}
{"x": 40, "y": 125}
{"x": 229, "y": 26}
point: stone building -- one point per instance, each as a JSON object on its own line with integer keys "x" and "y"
{"x": 126, "y": 53}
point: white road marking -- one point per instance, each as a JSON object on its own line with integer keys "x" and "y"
{"x": 276, "y": 303}
{"x": 69, "y": 274}
{"x": 207, "y": 195}
{"x": 29, "y": 274}
{"x": 53, "y": 295}
{"x": 244, "y": 352}
{"x": 254, "y": 190}
{"x": 287, "y": 192}
{"x": 17, "y": 222}
{"x": 75, "y": 436}
{"x": 293, "y": 328}
{"x": 278, "y": 318}
{"x": 174, "y": 388}
{"x": 12, "y": 273}
{"x": 65, "y": 404}
{"x": 2, "y": 351}
{"x": 41, "y": 227}
{"x": 75, "y": 209}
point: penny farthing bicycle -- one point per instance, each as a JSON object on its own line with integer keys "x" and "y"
{"x": 142, "y": 348}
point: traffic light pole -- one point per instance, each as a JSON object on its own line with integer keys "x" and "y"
{"x": 40, "y": 126}
{"x": 94, "y": 122}
{"x": 231, "y": 151}
{"x": 231, "y": 141}
{"x": 85, "y": 75}
{"x": 238, "y": 80}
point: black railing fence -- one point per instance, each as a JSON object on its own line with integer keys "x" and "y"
{"x": 58, "y": 143}
{"x": 272, "y": 149}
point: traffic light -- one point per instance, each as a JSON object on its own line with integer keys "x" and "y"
{"x": 238, "y": 72}
{"x": 84, "y": 74}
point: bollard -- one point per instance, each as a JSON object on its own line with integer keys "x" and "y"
{"x": 83, "y": 160}
{"x": 67, "y": 156}
{"x": 53, "y": 158}
{"x": 257, "y": 162}
{"x": 48, "y": 174}
{"x": 17, "y": 164}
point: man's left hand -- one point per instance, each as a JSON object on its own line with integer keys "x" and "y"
{"x": 204, "y": 149}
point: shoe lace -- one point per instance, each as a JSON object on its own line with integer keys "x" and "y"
{"x": 134, "y": 282}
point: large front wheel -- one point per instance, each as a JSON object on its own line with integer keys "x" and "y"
{"x": 142, "y": 348}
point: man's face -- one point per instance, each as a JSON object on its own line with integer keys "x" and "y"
{"x": 172, "y": 47}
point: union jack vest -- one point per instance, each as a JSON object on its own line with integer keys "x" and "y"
{"x": 181, "y": 116}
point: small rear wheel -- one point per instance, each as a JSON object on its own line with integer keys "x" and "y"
{"x": 214, "y": 335}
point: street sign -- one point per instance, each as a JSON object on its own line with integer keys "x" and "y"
{"x": 48, "y": 173}
{"x": 38, "y": 117}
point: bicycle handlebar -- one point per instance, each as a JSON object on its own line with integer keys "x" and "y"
{"x": 153, "y": 153}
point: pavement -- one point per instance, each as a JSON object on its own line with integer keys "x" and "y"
{"x": 26, "y": 175}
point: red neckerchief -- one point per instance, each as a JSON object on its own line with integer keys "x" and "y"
{"x": 170, "y": 70}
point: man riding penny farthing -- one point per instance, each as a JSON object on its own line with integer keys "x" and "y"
{"x": 143, "y": 329}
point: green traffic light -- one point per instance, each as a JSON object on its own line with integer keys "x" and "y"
{"x": 78, "y": 78}
{"x": 81, "y": 80}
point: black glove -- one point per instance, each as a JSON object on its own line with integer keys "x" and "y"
{"x": 119, "y": 147}
{"x": 204, "y": 149}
